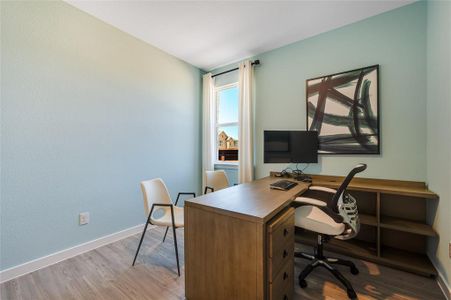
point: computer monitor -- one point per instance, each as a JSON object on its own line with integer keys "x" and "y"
{"x": 290, "y": 146}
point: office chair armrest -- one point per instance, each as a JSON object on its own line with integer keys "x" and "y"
{"x": 301, "y": 201}
{"x": 310, "y": 201}
{"x": 322, "y": 189}
{"x": 183, "y": 193}
{"x": 330, "y": 193}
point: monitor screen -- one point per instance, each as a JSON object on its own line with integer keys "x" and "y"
{"x": 290, "y": 146}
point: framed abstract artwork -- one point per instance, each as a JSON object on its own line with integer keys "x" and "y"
{"x": 344, "y": 109}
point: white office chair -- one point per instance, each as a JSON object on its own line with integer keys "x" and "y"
{"x": 330, "y": 213}
{"x": 156, "y": 195}
{"x": 216, "y": 180}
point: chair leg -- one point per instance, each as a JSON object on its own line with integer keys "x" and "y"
{"x": 142, "y": 236}
{"x": 347, "y": 263}
{"x": 307, "y": 270}
{"x": 304, "y": 255}
{"x": 166, "y": 232}
{"x": 175, "y": 240}
{"x": 176, "y": 250}
{"x": 349, "y": 289}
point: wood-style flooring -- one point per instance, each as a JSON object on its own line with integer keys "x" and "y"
{"x": 106, "y": 273}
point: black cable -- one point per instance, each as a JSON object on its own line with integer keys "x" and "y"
{"x": 296, "y": 172}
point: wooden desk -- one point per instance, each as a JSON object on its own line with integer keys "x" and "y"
{"x": 239, "y": 243}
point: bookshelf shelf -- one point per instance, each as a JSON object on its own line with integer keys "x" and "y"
{"x": 368, "y": 219}
{"x": 407, "y": 226}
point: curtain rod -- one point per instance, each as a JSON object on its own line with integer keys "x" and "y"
{"x": 255, "y": 62}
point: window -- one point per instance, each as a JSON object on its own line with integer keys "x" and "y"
{"x": 227, "y": 124}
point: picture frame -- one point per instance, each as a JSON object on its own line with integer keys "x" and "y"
{"x": 344, "y": 108}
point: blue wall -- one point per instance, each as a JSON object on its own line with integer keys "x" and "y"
{"x": 87, "y": 113}
{"x": 397, "y": 41}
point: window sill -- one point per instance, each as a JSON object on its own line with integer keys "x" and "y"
{"x": 228, "y": 164}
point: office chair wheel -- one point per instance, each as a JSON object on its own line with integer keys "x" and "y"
{"x": 354, "y": 271}
{"x": 302, "y": 283}
{"x": 352, "y": 295}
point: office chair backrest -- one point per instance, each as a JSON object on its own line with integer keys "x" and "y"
{"x": 154, "y": 191}
{"x": 217, "y": 179}
{"x": 342, "y": 189}
{"x": 346, "y": 206}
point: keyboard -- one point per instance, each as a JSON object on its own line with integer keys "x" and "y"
{"x": 283, "y": 185}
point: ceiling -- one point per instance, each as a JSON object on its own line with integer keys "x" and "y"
{"x": 210, "y": 34}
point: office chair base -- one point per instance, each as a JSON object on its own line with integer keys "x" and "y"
{"x": 318, "y": 259}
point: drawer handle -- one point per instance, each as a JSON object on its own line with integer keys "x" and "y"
{"x": 285, "y": 297}
{"x": 285, "y": 253}
{"x": 285, "y": 232}
{"x": 285, "y": 275}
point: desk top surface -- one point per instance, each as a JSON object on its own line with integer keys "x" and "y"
{"x": 254, "y": 201}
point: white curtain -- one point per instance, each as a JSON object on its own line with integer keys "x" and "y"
{"x": 208, "y": 126}
{"x": 245, "y": 139}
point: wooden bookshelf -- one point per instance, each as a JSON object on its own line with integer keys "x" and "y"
{"x": 394, "y": 229}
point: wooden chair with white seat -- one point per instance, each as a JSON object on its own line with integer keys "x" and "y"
{"x": 157, "y": 199}
{"x": 216, "y": 180}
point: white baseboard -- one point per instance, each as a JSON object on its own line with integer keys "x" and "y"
{"x": 56, "y": 257}
{"x": 444, "y": 286}
{"x": 442, "y": 282}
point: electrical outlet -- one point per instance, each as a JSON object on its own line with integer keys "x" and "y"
{"x": 83, "y": 218}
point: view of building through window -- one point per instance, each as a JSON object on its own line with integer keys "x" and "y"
{"x": 227, "y": 124}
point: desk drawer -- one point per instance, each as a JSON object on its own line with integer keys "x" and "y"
{"x": 280, "y": 242}
{"x": 282, "y": 256}
{"x": 282, "y": 287}
{"x": 281, "y": 232}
